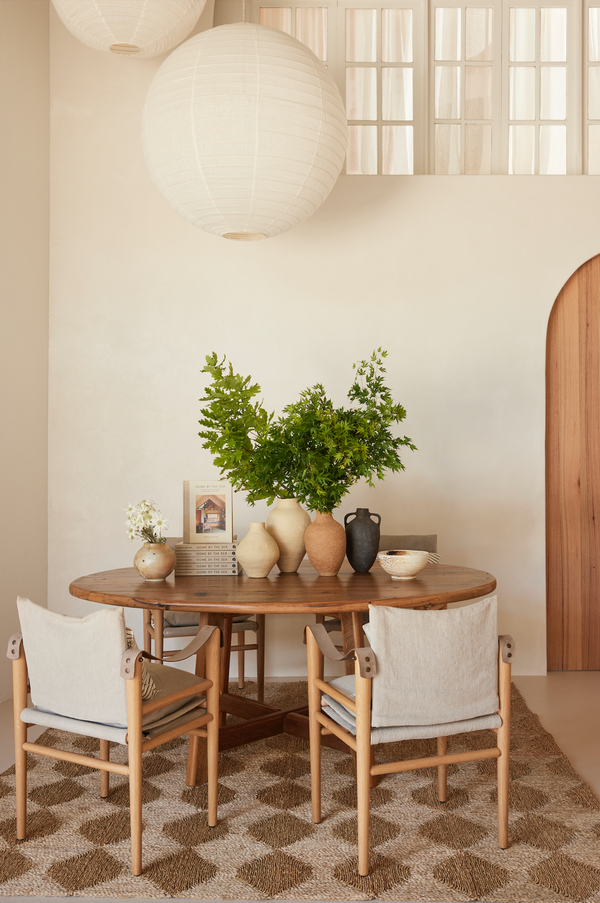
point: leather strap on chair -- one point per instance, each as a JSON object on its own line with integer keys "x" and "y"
{"x": 128, "y": 660}
{"x": 507, "y": 645}
{"x": 367, "y": 663}
{"x": 14, "y": 646}
{"x": 198, "y": 642}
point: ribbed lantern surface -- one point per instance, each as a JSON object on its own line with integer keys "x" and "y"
{"x": 130, "y": 27}
{"x": 244, "y": 131}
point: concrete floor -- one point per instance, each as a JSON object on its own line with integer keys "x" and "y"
{"x": 567, "y": 702}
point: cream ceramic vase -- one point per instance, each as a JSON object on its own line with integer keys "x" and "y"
{"x": 258, "y": 551}
{"x": 286, "y": 523}
{"x": 325, "y": 541}
{"x": 154, "y": 561}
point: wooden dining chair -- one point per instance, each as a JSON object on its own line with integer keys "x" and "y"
{"x": 84, "y": 680}
{"x": 427, "y": 674}
{"x": 426, "y": 541}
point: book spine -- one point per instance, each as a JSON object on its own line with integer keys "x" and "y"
{"x": 207, "y": 572}
{"x": 206, "y": 546}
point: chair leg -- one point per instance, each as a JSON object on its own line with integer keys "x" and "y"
{"x": 241, "y": 639}
{"x": 363, "y": 771}
{"x": 104, "y": 775}
{"x": 504, "y": 758}
{"x": 147, "y": 630}
{"x": 159, "y": 626}
{"x": 315, "y": 669}
{"x": 134, "y": 746}
{"x": 442, "y": 748}
{"x": 212, "y": 728}
{"x": 20, "y": 703}
{"x": 260, "y": 658}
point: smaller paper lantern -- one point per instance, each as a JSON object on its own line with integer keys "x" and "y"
{"x": 130, "y": 27}
{"x": 244, "y": 131}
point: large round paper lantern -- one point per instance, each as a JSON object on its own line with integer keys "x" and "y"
{"x": 130, "y": 27}
{"x": 244, "y": 131}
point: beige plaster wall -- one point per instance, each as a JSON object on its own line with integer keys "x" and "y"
{"x": 454, "y": 276}
{"x": 24, "y": 151}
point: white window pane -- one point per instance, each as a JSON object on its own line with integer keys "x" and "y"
{"x": 361, "y": 35}
{"x": 276, "y": 18}
{"x": 594, "y": 34}
{"x": 594, "y": 150}
{"x": 447, "y": 33}
{"x": 553, "y": 35}
{"x": 478, "y": 150}
{"x": 396, "y": 35}
{"x": 521, "y": 86}
{"x": 361, "y": 93}
{"x": 311, "y": 29}
{"x": 553, "y": 92}
{"x": 478, "y": 28}
{"x": 447, "y": 92}
{"x": 447, "y": 150}
{"x": 478, "y": 92}
{"x": 361, "y": 158}
{"x": 397, "y": 93}
{"x": 397, "y": 150}
{"x": 553, "y": 150}
{"x": 522, "y": 35}
{"x": 521, "y": 150}
{"x": 594, "y": 92}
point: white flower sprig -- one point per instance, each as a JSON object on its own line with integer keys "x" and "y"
{"x": 145, "y": 521}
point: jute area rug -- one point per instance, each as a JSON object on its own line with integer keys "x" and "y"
{"x": 266, "y": 846}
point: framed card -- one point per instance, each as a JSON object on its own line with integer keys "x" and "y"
{"x": 207, "y": 511}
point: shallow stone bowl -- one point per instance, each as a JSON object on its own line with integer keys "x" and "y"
{"x": 403, "y": 564}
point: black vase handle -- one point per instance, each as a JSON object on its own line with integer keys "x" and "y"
{"x": 378, "y": 516}
{"x": 352, "y": 514}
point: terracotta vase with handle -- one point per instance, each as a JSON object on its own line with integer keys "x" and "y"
{"x": 325, "y": 541}
{"x": 286, "y": 523}
{"x": 154, "y": 561}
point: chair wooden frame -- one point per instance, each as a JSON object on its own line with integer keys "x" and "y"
{"x": 206, "y": 726}
{"x": 154, "y": 632}
{"x": 320, "y": 644}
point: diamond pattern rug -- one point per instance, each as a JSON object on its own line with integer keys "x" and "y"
{"x": 266, "y": 846}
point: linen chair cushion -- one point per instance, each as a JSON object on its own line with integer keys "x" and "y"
{"x": 434, "y": 667}
{"x": 74, "y": 663}
{"x": 347, "y": 720}
{"x": 148, "y": 685}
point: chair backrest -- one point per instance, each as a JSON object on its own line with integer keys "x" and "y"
{"x": 434, "y": 667}
{"x": 74, "y": 663}
{"x": 426, "y": 542}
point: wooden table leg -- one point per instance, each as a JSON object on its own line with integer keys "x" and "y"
{"x": 352, "y": 635}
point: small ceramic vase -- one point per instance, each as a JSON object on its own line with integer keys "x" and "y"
{"x": 154, "y": 561}
{"x": 258, "y": 551}
{"x": 286, "y": 523}
{"x": 362, "y": 539}
{"x": 325, "y": 542}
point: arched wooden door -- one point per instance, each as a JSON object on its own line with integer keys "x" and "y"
{"x": 573, "y": 474}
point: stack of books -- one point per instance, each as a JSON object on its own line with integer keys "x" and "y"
{"x": 207, "y": 559}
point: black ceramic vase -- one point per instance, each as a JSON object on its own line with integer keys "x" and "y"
{"x": 362, "y": 539}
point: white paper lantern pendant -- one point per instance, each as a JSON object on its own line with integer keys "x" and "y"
{"x": 130, "y": 27}
{"x": 244, "y": 131}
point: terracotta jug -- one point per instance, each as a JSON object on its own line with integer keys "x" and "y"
{"x": 325, "y": 542}
{"x": 362, "y": 539}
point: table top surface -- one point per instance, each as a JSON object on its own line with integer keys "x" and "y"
{"x": 304, "y": 592}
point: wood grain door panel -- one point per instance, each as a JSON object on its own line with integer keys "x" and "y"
{"x": 573, "y": 474}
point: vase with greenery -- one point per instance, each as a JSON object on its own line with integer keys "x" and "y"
{"x": 314, "y": 451}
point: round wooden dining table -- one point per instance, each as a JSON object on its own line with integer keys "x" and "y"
{"x": 346, "y": 596}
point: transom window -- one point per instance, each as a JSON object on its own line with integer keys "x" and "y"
{"x": 474, "y": 88}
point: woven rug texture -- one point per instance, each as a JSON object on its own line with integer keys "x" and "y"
{"x": 266, "y": 846}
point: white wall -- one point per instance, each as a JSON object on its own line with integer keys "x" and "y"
{"x": 454, "y": 276}
{"x": 24, "y": 158}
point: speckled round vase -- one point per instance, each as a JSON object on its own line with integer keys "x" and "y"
{"x": 362, "y": 539}
{"x": 325, "y": 542}
{"x": 154, "y": 561}
{"x": 286, "y": 523}
{"x": 258, "y": 551}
